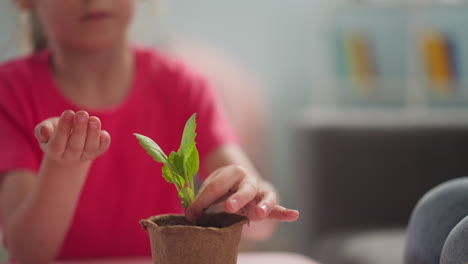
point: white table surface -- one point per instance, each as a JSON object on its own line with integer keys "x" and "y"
{"x": 244, "y": 258}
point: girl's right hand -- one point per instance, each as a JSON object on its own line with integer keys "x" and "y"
{"x": 72, "y": 138}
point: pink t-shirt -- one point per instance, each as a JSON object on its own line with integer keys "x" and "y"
{"x": 124, "y": 185}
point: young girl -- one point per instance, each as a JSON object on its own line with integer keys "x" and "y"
{"x": 66, "y": 191}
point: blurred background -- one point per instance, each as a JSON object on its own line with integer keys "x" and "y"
{"x": 353, "y": 109}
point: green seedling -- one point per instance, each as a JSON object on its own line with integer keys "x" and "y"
{"x": 181, "y": 166}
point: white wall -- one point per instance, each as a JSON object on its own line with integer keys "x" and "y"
{"x": 8, "y": 30}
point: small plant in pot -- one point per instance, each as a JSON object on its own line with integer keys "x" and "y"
{"x": 214, "y": 238}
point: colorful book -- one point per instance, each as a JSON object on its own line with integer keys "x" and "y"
{"x": 360, "y": 62}
{"x": 441, "y": 62}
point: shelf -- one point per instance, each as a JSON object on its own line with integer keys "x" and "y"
{"x": 319, "y": 117}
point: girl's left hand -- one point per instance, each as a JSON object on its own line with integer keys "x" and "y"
{"x": 243, "y": 193}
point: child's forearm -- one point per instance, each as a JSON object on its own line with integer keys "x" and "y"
{"x": 38, "y": 218}
{"x": 37, "y": 228}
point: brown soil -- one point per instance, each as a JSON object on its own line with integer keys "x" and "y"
{"x": 219, "y": 220}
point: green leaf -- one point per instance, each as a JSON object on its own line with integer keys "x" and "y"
{"x": 167, "y": 174}
{"x": 177, "y": 162}
{"x": 180, "y": 167}
{"x": 188, "y": 137}
{"x": 177, "y": 166}
{"x": 186, "y": 150}
{"x": 192, "y": 163}
{"x": 187, "y": 196}
{"x": 152, "y": 148}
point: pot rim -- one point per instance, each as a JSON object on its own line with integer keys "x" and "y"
{"x": 149, "y": 222}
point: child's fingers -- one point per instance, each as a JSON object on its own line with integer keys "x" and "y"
{"x": 104, "y": 141}
{"x": 43, "y": 131}
{"x": 224, "y": 181}
{"x": 92, "y": 142}
{"x": 77, "y": 138}
{"x": 283, "y": 214}
{"x": 264, "y": 207}
{"x": 58, "y": 142}
{"x": 249, "y": 211}
{"x": 245, "y": 193}
{"x": 49, "y": 128}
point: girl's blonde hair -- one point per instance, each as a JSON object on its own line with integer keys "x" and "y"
{"x": 32, "y": 36}
{"x": 38, "y": 39}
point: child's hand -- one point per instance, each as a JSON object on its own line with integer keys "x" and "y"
{"x": 72, "y": 138}
{"x": 247, "y": 195}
